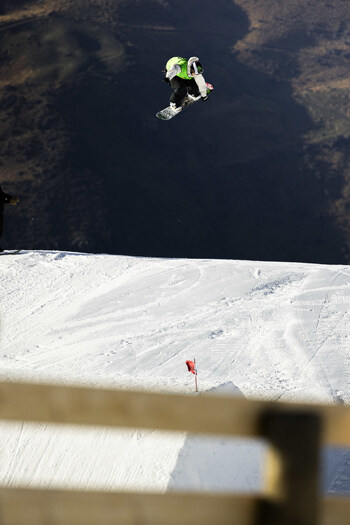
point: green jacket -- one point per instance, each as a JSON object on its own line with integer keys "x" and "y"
{"x": 182, "y": 62}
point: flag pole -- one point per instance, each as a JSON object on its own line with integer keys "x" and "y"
{"x": 195, "y": 374}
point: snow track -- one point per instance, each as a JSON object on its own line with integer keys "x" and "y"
{"x": 271, "y": 330}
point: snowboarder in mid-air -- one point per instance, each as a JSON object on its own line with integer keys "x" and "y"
{"x": 186, "y": 79}
{"x": 187, "y": 82}
{"x": 5, "y": 199}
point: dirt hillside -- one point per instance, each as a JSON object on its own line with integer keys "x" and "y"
{"x": 262, "y": 171}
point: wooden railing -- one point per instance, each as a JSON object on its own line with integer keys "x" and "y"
{"x": 295, "y": 433}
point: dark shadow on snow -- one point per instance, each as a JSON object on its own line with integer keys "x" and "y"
{"x": 237, "y": 465}
{"x": 218, "y": 464}
{"x": 336, "y": 471}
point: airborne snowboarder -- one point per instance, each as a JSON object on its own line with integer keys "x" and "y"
{"x": 186, "y": 79}
{"x": 187, "y": 82}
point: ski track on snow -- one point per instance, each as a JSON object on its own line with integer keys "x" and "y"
{"x": 270, "y": 330}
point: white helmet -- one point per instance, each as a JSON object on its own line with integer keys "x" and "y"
{"x": 194, "y": 66}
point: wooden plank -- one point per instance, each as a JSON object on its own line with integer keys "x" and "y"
{"x": 58, "y": 507}
{"x": 335, "y": 511}
{"x": 64, "y": 507}
{"x": 205, "y": 413}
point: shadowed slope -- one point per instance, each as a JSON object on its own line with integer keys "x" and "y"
{"x": 236, "y": 178}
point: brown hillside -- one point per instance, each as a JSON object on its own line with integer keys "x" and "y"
{"x": 261, "y": 171}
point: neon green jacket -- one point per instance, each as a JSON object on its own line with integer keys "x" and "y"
{"x": 182, "y": 62}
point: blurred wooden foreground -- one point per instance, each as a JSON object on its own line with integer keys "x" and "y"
{"x": 295, "y": 434}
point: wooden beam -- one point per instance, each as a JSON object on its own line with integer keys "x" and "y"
{"x": 335, "y": 511}
{"x": 20, "y": 506}
{"x": 59, "y": 507}
{"x": 205, "y": 413}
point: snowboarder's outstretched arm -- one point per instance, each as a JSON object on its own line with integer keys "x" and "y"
{"x": 202, "y": 86}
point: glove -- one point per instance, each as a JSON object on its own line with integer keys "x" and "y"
{"x": 205, "y": 98}
{"x": 14, "y": 200}
{"x": 166, "y": 80}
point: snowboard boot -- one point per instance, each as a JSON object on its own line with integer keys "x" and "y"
{"x": 193, "y": 98}
{"x": 175, "y": 108}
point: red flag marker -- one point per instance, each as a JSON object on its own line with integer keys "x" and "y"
{"x": 191, "y": 367}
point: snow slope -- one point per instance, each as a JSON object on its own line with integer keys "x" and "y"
{"x": 257, "y": 329}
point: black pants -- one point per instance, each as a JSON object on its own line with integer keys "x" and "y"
{"x": 180, "y": 89}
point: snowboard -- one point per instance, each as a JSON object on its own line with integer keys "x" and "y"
{"x": 168, "y": 112}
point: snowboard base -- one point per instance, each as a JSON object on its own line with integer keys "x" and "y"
{"x": 169, "y": 113}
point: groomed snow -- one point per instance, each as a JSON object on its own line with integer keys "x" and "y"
{"x": 257, "y": 329}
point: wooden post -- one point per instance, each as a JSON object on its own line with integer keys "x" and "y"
{"x": 292, "y": 484}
